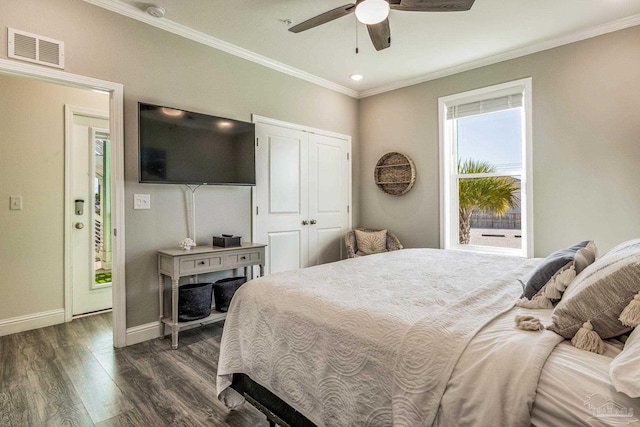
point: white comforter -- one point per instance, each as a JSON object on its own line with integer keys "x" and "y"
{"x": 370, "y": 341}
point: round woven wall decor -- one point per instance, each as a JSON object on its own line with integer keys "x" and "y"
{"x": 395, "y": 173}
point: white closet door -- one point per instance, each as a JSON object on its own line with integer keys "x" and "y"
{"x": 282, "y": 197}
{"x": 328, "y": 198}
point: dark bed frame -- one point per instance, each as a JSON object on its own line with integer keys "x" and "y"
{"x": 277, "y": 411}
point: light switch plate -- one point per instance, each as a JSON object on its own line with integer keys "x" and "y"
{"x": 15, "y": 203}
{"x": 142, "y": 201}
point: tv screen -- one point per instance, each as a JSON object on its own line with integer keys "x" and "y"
{"x": 183, "y": 147}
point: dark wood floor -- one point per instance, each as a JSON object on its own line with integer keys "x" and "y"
{"x": 70, "y": 375}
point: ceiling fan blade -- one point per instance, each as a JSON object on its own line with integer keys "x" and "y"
{"x": 431, "y": 5}
{"x": 323, "y": 18}
{"x": 380, "y": 34}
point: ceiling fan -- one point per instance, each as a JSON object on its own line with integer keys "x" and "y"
{"x": 374, "y": 13}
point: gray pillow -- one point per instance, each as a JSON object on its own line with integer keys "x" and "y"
{"x": 600, "y": 293}
{"x": 549, "y": 267}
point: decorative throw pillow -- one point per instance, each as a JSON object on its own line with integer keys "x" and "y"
{"x": 371, "y": 242}
{"x": 554, "y": 262}
{"x": 585, "y": 257}
{"x": 552, "y": 291}
{"x": 600, "y": 293}
{"x": 624, "y": 371}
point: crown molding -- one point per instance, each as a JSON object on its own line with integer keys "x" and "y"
{"x": 205, "y": 39}
{"x": 599, "y": 30}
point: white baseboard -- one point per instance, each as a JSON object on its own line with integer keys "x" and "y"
{"x": 141, "y": 333}
{"x": 149, "y": 331}
{"x": 31, "y": 321}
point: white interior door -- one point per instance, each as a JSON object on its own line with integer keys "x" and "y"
{"x": 88, "y": 295}
{"x": 328, "y": 198}
{"x": 282, "y": 197}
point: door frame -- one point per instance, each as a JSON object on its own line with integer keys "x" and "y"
{"x": 116, "y": 127}
{"x": 257, "y": 119}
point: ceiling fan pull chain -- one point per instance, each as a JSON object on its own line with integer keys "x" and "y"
{"x": 356, "y": 21}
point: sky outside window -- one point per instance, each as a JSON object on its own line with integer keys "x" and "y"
{"x": 495, "y": 138}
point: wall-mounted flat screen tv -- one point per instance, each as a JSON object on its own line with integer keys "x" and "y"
{"x": 183, "y": 147}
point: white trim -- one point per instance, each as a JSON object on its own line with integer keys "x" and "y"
{"x": 527, "y": 129}
{"x": 596, "y": 31}
{"x": 31, "y": 321}
{"x": 116, "y": 126}
{"x": 197, "y": 36}
{"x": 142, "y": 333}
{"x": 150, "y": 331}
{"x": 207, "y": 40}
{"x": 275, "y": 122}
{"x": 448, "y": 191}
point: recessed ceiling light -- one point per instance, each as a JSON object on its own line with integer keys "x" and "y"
{"x": 356, "y": 77}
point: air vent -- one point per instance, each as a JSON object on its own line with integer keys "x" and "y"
{"x": 35, "y": 48}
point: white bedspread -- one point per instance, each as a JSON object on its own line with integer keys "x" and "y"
{"x": 575, "y": 390}
{"x": 495, "y": 380}
{"x": 370, "y": 341}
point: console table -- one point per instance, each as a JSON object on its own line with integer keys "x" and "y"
{"x": 177, "y": 263}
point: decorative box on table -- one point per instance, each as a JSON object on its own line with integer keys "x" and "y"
{"x": 226, "y": 241}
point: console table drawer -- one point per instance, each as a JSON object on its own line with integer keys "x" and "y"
{"x": 197, "y": 265}
{"x": 243, "y": 258}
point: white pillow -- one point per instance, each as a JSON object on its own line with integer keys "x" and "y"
{"x": 625, "y": 367}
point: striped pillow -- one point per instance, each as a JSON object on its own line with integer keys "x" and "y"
{"x": 600, "y": 293}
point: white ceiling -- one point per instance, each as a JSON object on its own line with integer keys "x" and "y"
{"x": 424, "y": 45}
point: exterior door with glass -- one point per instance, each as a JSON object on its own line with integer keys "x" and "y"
{"x": 91, "y": 215}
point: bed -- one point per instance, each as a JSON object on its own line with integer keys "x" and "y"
{"x": 416, "y": 337}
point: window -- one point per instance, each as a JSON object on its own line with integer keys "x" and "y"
{"x": 485, "y": 164}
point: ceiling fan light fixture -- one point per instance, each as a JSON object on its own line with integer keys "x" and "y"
{"x": 371, "y": 12}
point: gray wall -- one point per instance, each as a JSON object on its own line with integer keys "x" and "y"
{"x": 586, "y": 144}
{"x": 32, "y": 166}
{"x": 586, "y": 151}
{"x": 161, "y": 68}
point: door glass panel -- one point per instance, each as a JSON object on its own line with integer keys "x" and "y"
{"x": 102, "y": 210}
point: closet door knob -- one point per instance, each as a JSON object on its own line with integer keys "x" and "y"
{"x": 305, "y": 222}
{"x": 313, "y": 221}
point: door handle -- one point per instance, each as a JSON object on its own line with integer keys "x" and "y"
{"x": 313, "y": 222}
{"x": 305, "y": 222}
